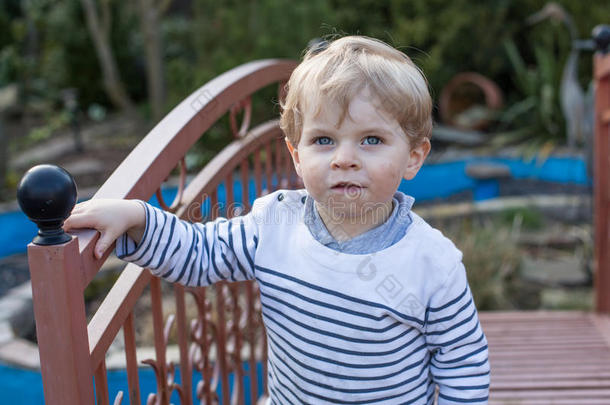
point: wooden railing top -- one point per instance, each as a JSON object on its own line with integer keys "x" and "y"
{"x": 153, "y": 159}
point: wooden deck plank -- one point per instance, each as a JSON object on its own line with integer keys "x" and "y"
{"x": 546, "y": 401}
{"x": 545, "y": 357}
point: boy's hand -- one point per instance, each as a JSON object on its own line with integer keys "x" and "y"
{"x": 111, "y": 218}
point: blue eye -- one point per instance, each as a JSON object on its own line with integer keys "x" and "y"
{"x": 323, "y": 140}
{"x": 372, "y": 140}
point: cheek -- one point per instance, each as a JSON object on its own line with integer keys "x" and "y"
{"x": 389, "y": 177}
{"x": 391, "y": 171}
{"x": 310, "y": 173}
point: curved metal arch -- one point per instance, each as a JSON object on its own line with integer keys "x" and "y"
{"x": 153, "y": 159}
{"x": 225, "y": 163}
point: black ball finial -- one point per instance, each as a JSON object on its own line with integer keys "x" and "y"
{"x": 47, "y": 194}
{"x": 601, "y": 37}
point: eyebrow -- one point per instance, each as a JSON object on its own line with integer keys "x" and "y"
{"x": 321, "y": 130}
{"x": 363, "y": 131}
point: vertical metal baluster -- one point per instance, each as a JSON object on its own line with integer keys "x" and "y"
{"x": 238, "y": 373}
{"x": 160, "y": 346}
{"x": 131, "y": 360}
{"x": 250, "y": 301}
{"x": 264, "y": 360}
{"x": 221, "y": 339}
{"x": 214, "y": 208}
{"x": 230, "y": 198}
{"x": 278, "y": 165}
{"x": 269, "y": 167}
{"x": 258, "y": 176}
{"x": 245, "y": 187}
{"x": 101, "y": 385}
{"x": 186, "y": 370}
{"x": 208, "y": 367}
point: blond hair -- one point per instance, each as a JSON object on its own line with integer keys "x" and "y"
{"x": 339, "y": 71}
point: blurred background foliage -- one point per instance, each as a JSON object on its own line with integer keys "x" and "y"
{"x": 46, "y": 46}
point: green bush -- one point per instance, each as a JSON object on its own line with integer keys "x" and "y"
{"x": 45, "y": 45}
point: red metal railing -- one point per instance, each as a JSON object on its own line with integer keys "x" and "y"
{"x": 72, "y": 353}
{"x": 601, "y": 73}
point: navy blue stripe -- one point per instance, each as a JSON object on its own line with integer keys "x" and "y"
{"x": 463, "y": 366}
{"x": 213, "y": 254}
{"x": 453, "y": 301}
{"x": 470, "y": 343}
{"x": 169, "y": 239}
{"x": 336, "y": 335}
{"x": 272, "y": 364}
{"x": 323, "y": 304}
{"x": 153, "y": 230}
{"x": 152, "y": 255}
{"x": 176, "y": 249}
{"x": 331, "y": 320}
{"x": 448, "y": 318}
{"x": 454, "y": 326}
{"x": 470, "y": 387}
{"x": 243, "y": 243}
{"x": 464, "y": 357}
{"x": 340, "y": 401}
{"x": 457, "y": 339}
{"x": 188, "y": 280}
{"x": 188, "y": 258}
{"x": 228, "y": 264}
{"x": 430, "y": 399}
{"x": 205, "y": 250}
{"x": 481, "y": 399}
{"x": 275, "y": 395}
{"x": 337, "y": 349}
{"x": 357, "y": 366}
{"x": 449, "y": 377}
{"x": 355, "y": 378}
{"x": 146, "y": 215}
{"x": 170, "y": 271}
{"x": 232, "y": 247}
{"x": 337, "y": 294}
{"x": 335, "y": 388}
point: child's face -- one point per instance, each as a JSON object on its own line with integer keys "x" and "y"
{"x": 358, "y": 165}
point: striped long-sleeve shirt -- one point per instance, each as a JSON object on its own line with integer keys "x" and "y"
{"x": 380, "y": 328}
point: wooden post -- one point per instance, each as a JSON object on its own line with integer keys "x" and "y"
{"x": 602, "y": 170}
{"x": 61, "y": 325}
{"x": 47, "y": 194}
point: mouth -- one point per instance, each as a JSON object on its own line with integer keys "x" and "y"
{"x": 347, "y": 187}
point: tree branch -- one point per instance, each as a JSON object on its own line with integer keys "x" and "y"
{"x": 106, "y": 16}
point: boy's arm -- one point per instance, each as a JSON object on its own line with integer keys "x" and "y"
{"x": 459, "y": 364}
{"x": 193, "y": 254}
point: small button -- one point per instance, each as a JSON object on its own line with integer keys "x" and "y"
{"x": 280, "y": 197}
{"x": 303, "y": 199}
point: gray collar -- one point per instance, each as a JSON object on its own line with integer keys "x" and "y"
{"x": 378, "y": 238}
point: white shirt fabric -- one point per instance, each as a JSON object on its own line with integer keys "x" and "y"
{"x": 381, "y": 328}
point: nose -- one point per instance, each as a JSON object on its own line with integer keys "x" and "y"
{"x": 345, "y": 157}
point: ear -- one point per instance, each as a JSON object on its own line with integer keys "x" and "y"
{"x": 294, "y": 152}
{"x": 417, "y": 156}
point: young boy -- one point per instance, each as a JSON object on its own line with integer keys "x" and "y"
{"x": 363, "y": 302}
